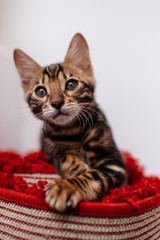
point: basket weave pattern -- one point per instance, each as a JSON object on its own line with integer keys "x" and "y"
{"x": 128, "y": 213}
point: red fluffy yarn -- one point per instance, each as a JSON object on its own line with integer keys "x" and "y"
{"x": 32, "y": 163}
{"x": 35, "y": 162}
{"x": 139, "y": 186}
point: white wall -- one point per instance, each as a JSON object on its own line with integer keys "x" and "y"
{"x": 124, "y": 40}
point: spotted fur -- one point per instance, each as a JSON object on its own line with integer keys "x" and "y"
{"x": 76, "y": 136}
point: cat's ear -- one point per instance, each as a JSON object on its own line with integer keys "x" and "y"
{"x": 26, "y": 67}
{"x": 78, "y": 54}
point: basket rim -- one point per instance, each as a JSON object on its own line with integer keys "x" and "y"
{"x": 90, "y": 209}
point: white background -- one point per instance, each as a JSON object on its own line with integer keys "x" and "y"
{"x": 124, "y": 41}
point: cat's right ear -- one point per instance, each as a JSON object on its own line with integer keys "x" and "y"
{"x": 78, "y": 54}
{"x": 26, "y": 67}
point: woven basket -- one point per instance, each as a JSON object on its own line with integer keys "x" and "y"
{"x": 130, "y": 213}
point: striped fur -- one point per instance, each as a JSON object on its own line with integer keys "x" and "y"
{"x": 76, "y": 136}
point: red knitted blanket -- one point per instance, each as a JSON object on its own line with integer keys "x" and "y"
{"x": 136, "y": 194}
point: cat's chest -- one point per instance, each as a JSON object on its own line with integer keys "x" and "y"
{"x": 75, "y": 148}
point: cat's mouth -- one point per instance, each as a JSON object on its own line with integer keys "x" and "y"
{"x": 59, "y": 113}
{"x": 60, "y": 117}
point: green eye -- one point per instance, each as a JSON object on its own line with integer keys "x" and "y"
{"x": 41, "y": 92}
{"x": 71, "y": 85}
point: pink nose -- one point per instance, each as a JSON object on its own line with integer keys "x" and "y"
{"x": 57, "y": 103}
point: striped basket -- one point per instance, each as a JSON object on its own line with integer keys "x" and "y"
{"x": 130, "y": 213}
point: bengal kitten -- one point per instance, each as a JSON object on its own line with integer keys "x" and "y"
{"x": 76, "y": 137}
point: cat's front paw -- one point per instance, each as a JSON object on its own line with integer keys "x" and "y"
{"x": 61, "y": 195}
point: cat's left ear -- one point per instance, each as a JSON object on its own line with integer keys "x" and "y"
{"x": 78, "y": 55}
{"x": 26, "y": 67}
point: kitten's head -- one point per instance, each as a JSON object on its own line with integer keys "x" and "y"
{"x": 59, "y": 93}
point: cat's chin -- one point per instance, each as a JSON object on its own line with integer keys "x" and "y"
{"x": 63, "y": 119}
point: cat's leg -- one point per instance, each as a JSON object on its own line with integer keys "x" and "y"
{"x": 58, "y": 193}
{"x": 70, "y": 166}
{"x": 66, "y": 193}
{"x": 90, "y": 185}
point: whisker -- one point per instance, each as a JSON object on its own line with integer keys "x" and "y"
{"x": 75, "y": 108}
{"x": 90, "y": 117}
{"x": 86, "y": 119}
{"x": 90, "y": 106}
{"x": 82, "y": 111}
{"x": 101, "y": 116}
{"x": 77, "y": 115}
{"x": 92, "y": 109}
